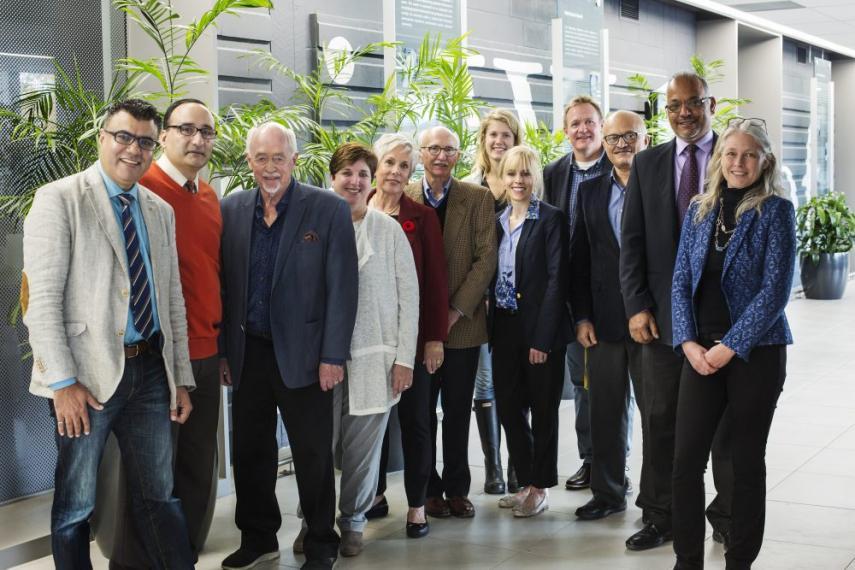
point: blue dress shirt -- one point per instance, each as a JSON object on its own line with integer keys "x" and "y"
{"x": 263, "y": 251}
{"x": 616, "y": 206}
{"x": 506, "y": 291}
{"x": 429, "y": 197}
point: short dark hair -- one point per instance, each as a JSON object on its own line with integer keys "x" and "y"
{"x": 177, "y": 103}
{"x": 352, "y": 152}
{"x": 691, "y": 76}
{"x": 136, "y": 108}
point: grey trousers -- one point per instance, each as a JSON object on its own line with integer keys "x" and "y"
{"x": 576, "y": 372}
{"x": 357, "y": 442}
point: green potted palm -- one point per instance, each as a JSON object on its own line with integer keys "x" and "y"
{"x": 825, "y": 228}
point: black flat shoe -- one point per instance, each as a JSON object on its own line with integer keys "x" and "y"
{"x": 581, "y": 479}
{"x": 648, "y": 537}
{"x": 596, "y": 509}
{"x": 378, "y": 511}
{"x": 418, "y": 530}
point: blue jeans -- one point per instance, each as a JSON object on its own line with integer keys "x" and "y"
{"x": 138, "y": 414}
{"x": 484, "y": 376}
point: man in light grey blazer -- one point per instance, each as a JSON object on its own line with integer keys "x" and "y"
{"x": 102, "y": 300}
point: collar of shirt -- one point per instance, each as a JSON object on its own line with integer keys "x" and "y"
{"x": 281, "y": 205}
{"x": 533, "y": 213}
{"x": 616, "y": 183}
{"x": 114, "y": 189}
{"x": 704, "y": 145}
{"x": 429, "y": 195}
{"x": 166, "y": 165}
{"x": 583, "y": 166}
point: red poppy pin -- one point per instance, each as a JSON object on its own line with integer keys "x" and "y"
{"x": 409, "y": 226}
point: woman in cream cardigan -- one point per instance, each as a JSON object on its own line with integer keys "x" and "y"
{"x": 383, "y": 345}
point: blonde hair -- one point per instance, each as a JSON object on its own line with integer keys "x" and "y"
{"x": 482, "y": 155}
{"x": 523, "y": 157}
{"x": 768, "y": 184}
{"x": 582, "y": 100}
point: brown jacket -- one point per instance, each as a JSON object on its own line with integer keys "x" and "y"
{"x": 469, "y": 237}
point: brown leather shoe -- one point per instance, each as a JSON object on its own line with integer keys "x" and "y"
{"x": 437, "y": 507}
{"x": 461, "y": 507}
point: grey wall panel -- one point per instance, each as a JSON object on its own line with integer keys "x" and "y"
{"x": 658, "y": 44}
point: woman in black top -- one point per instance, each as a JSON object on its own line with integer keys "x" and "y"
{"x": 732, "y": 280}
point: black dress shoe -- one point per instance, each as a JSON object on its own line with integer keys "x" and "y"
{"x": 378, "y": 511}
{"x": 598, "y": 509}
{"x": 581, "y": 479}
{"x": 648, "y": 537}
{"x": 418, "y": 530}
{"x": 319, "y": 564}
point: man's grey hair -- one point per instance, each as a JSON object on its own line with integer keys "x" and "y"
{"x": 438, "y": 128}
{"x": 261, "y": 127}
{"x": 393, "y": 141}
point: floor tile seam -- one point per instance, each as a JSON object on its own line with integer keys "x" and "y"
{"x": 848, "y": 550}
{"x": 792, "y": 502}
{"x": 793, "y": 471}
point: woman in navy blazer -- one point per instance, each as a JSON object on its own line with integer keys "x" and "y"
{"x": 529, "y": 325}
{"x": 732, "y": 280}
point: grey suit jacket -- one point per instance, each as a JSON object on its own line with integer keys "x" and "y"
{"x": 76, "y": 270}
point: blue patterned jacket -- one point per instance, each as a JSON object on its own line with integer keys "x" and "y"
{"x": 756, "y": 280}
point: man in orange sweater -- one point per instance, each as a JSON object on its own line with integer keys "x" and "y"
{"x": 188, "y": 138}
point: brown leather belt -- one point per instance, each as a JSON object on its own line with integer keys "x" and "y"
{"x": 138, "y": 349}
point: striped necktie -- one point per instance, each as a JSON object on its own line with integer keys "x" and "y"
{"x": 140, "y": 288}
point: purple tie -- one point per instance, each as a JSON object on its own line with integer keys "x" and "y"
{"x": 688, "y": 182}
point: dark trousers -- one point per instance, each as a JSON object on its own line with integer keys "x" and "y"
{"x": 196, "y": 452}
{"x": 521, "y": 386}
{"x": 454, "y": 383}
{"x": 749, "y": 391}
{"x": 413, "y": 417}
{"x": 138, "y": 414}
{"x": 660, "y": 375}
{"x": 308, "y": 417}
{"x": 612, "y": 366}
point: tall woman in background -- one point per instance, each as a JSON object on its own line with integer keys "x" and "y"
{"x": 732, "y": 280}
{"x": 499, "y": 132}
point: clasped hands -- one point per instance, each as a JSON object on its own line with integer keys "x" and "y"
{"x": 707, "y": 361}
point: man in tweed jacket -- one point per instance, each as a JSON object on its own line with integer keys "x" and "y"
{"x": 465, "y": 213}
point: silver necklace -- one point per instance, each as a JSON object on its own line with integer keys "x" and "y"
{"x": 720, "y": 227}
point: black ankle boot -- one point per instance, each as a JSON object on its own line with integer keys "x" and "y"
{"x": 488, "y": 428}
{"x": 513, "y": 484}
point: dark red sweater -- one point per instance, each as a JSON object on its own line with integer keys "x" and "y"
{"x": 198, "y": 225}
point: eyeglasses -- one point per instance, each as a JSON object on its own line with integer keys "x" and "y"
{"x": 752, "y": 121}
{"x": 189, "y": 130}
{"x": 693, "y": 104}
{"x": 127, "y": 139}
{"x": 434, "y": 150}
{"x": 276, "y": 159}
{"x": 629, "y": 137}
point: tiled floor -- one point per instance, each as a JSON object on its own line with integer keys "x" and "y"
{"x": 811, "y": 482}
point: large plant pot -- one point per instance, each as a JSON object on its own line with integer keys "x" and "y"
{"x": 827, "y": 278}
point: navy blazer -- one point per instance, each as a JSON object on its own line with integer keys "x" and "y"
{"x": 756, "y": 279}
{"x": 594, "y": 263}
{"x": 314, "y": 290}
{"x": 540, "y": 268}
{"x": 650, "y": 233}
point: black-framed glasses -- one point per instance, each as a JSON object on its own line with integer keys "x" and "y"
{"x": 693, "y": 104}
{"x": 629, "y": 137}
{"x": 189, "y": 130}
{"x": 434, "y": 150}
{"x": 752, "y": 121}
{"x": 127, "y": 139}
